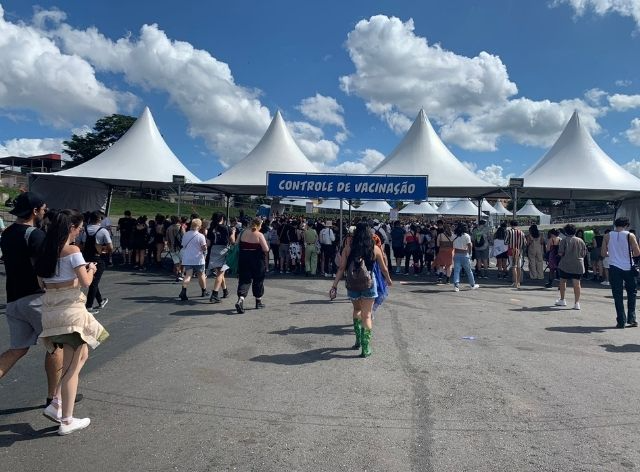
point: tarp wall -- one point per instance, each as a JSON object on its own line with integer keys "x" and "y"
{"x": 79, "y": 194}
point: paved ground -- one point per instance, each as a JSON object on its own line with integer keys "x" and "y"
{"x": 195, "y": 387}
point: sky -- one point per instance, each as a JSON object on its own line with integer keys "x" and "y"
{"x": 498, "y": 79}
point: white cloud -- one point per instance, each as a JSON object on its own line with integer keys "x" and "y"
{"x": 369, "y": 159}
{"x": 36, "y": 75}
{"x": 26, "y": 147}
{"x": 312, "y": 143}
{"x": 492, "y": 173}
{"x": 633, "y": 133}
{"x": 633, "y": 167}
{"x": 620, "y": 102}
{"x": 630, "y": 8}
{"x": 397, "y": 72}
{"x": 323, "y": 110}
{"x": 533, "y": 123}
{"x": 341, "y": 137}
{"x": 623, "y": 83}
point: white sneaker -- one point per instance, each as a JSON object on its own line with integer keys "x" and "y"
{"x": 561, "y": 302}
{"x": 576, "y": 306}
{"x": 456, "y": 289}
{"x": 53, "y": 413}
{"x": 475, "y": 287}
{"x": 75, "y": 425}
{"x": 605, "y": 283}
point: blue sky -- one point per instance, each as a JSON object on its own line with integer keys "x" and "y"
{"x": 498, "y": 79}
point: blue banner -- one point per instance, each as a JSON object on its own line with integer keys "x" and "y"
{"x": 342, "y": 186}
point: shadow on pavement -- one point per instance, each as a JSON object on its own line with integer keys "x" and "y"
{"x": 23, "y": 432}
{"x": 545, "y": 308}
{"x": 579, "y": 329}
{"x": 318, "y": 302}
{"x": 623, "y": 348}
{"x": 306, "y": 357}
{"x": 168, "y": 282}
{"x": 174, "y": 300}
{"x": 334, "y": 330}
{"x": 13, "y": 411}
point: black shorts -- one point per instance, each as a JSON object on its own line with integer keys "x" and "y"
{"x": 398, "y": 252}
{"x": 568, "y": 276}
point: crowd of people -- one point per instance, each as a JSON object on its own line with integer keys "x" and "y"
{"x": 50, "y": 256}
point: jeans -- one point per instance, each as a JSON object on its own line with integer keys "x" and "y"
{"x": 618, "y": 277}
{"x": 461, "y": 260}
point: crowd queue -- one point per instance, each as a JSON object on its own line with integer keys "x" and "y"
{"x": 50, "y": 255}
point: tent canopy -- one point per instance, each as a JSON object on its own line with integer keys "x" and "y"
{"x": 500, "y": 209}
{"x": 487, "y": 208}
{"x": 422, "y": 208}
{"x": 334, "y": 205}
{"x": 529, "y": 209}
{"x": 275, "y": 152}
{"x": 421, "y": 152}
{"x": 461, "y": 208}
{"x": 140, "y": 158}
{"x": 577, "y": 168}
{"x": 374, "y": 206}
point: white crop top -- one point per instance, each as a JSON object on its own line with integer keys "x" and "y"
{"x": 65, "y": 270}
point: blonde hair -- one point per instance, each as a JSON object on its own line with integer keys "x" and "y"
{"x": 196, "y": 223}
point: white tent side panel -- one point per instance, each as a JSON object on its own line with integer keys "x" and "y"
{"x": 61, "y": 193}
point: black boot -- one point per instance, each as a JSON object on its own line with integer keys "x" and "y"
{"x": 183, "y": 294}
{"x": 225, "y": 293}
{"x": 214, "y": 297}
{"x": 259, "y": 304}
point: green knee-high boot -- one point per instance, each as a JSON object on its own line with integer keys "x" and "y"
{"x": 366, "y": 342}
{"x": 357, "y": 327}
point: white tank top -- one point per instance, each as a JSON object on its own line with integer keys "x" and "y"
{"x": 65, "y": 270}
{"x": 618, "y": 248}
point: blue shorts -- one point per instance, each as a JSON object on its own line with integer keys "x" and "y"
{"x": 197, "y": 269}
{"x": 369, "y": 293}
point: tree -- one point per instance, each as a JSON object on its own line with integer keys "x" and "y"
{"x": 105, "y": 132}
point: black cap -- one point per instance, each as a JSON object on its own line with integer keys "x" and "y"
{"x": 25, "y": 203}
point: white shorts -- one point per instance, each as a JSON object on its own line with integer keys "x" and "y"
{"x": 605, "y": 262}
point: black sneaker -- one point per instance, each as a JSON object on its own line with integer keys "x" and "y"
{"x": 632, "y": 324}
{"x": 259, "y": 304}
{"x": 214, "y": 298}
{"x": 225, "y": 293}
{"x": 240, "y": 306}
{"x": 104, "y": 302}
{"x": 205, "y": 293}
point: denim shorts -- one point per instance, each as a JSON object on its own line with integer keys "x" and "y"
{"x": 197, "y": 269}
{"x": 369, "y": 293}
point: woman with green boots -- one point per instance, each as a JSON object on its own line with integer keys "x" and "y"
{"x": 357, "y": 264}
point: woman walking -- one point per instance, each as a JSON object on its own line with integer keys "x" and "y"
{"x": 140, "y": 242}
{"x": 219, "y": 238}
{"x": 358, "y": 251}
{"x": 252, "y": 264}
{"x": 444, "y": 257}
{"x": 462, "y": 248}
{"x": 535, "y": 251}
{"x": 412, "y": 243}
{"x": 194, "y": 249}
{"x": 66, "y": 323}
{"x": 572, "y": 251}
{"x": 553, "y": 258}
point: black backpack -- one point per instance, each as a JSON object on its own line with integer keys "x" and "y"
{"x": 358, "y": 276}
{"x": 89, "y": 250}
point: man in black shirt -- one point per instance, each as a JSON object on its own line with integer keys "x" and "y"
{"x": 20, "y": 244}
{"x": 126, "y": 226}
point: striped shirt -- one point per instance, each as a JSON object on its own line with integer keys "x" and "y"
{"x": 515, "y": 238}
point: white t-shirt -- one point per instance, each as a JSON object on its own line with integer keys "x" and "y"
{"x": 192, "y": 252}
{"x": 102, "y": 237}
{"x": 462, "y": 242}
{"x": 65, "y": 270}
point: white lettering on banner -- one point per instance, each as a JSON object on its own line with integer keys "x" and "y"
{"x": 392, "y": 189}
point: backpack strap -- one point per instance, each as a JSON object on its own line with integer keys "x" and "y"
{"x": 27, "y": 234}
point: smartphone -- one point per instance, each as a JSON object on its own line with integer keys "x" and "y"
{"x": 333, "y": 293}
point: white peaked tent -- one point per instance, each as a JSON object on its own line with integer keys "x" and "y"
{"x": 140, "y": 158}
{"x": 374, "y": 206}
{"x": 422, "y": 208}
{"x": 294, "y": 202}
{"x": 487, "y": 208}
{"x": 500, "y": 209}
{"x": 576, "y": 168}
{"x": 444, "y": 206}
{"x": 461, "y": 208}
{"x": 421, "y": 152}
{"x": 334, "y": 205}
{"x": 529, "y": 209}
{"x": 276, "y": 152}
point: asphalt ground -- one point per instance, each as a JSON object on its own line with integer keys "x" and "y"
{"x": 488, "y": 380}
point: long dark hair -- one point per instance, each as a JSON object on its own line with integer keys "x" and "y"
{"x": 461, "y": 228}
{"x": 54, "y": 241}
{"x": 361, "y": 244}
{"x": 216, "y": 220}
{"x": 534, "y": 232}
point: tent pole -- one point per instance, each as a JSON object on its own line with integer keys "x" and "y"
{"x": 228, "y": 199}
{"x": 179, "y": 199}
{"x": 350, "y": 203}
{"x": 479, "y": 210}
{"x": 107, "y": 209}
{"x": 341, "y": 223}
{"x": 515, "y": 202}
